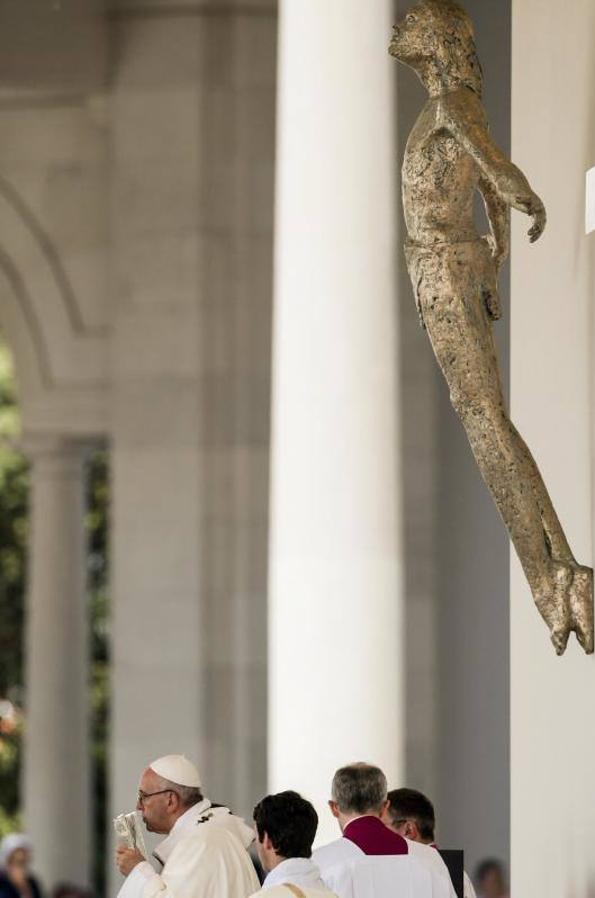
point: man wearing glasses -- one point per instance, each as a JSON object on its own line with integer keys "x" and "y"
{"x": 205, "y": 852}
{"x": 411, "y": 814}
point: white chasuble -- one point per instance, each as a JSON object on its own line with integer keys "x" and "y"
{"x": 204, "y": 856}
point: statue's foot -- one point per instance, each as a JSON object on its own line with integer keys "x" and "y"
{"x": 566, "y": 604}
{"x": 580, "y": 596}
{"x": 553, "y": 603}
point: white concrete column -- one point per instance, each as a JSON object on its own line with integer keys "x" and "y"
{"x": 335, "y": 577}
{"x": 156, "y": 472}
{"x": 553, "y": 285}
{"x": 57, "y": 751}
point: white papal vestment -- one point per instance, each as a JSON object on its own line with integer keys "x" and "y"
{"x": 204, "y": 856}
{"x": 350, "y": 873}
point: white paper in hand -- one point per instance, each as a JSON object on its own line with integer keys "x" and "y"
{"x": 590, "y": 211}
{"x": 128, "y": 829}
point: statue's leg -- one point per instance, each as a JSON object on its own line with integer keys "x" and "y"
{"x": 554, "y": 534}
{"x": 450, "y": 283}
{"x": 508, "y": 469}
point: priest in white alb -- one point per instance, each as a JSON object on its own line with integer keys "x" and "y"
{"x": 369, "y": 860}
{"x": 411, "y": 814}
{"x": 286, "y": 826}
{"x": 205, "y": 853}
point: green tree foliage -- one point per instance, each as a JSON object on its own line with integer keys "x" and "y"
{"x": 14, "y": 490}
{"x": 13, "y": 552}
{"x": 97, "y": 567}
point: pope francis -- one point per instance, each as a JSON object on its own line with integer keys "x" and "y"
{"x": 204, "y": 853}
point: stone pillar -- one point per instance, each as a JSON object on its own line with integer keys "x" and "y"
{"x": 57, "y": 750}
{"x": 238, "y": 114}
{"x": 156, "y": 489}
{"x": 553, "y": 283}
{"x": 335, "y": 651}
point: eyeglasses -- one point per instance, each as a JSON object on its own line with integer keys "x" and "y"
{"x": 142, "y": 796}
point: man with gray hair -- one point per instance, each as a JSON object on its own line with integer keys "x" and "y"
{"x": 369, "y": 860}
{"x": 204, "y": 853}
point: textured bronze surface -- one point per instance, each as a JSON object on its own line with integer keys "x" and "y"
{"x": 454, "y": 271}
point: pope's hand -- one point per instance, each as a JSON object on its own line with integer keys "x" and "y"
{"x": 127, "y": 859}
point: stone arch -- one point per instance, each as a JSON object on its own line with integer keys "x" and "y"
{"x": 60, "y": 361}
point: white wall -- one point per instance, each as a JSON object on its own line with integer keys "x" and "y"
{"x": 552, "y": 699}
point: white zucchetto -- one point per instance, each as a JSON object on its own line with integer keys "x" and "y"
{"x": 177, "y": 769}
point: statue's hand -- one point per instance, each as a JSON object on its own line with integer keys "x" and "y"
{"x": 534, "y": 207}
{"x": 499, "y": 250}
{"x": 489, "y": 290}
{"x": 491, "y": 302}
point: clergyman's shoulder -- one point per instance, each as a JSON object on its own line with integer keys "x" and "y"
{"x": 207, "y": 835}
{"x": 333, "y": 853}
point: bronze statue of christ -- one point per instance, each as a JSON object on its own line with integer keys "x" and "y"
{"x": 454, "y": 271}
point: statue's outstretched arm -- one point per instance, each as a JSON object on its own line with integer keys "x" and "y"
{"x": 464, "y": 117}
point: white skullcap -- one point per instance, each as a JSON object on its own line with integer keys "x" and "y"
{"x": 177, "y": 769}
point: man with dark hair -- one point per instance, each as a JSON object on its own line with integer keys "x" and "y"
{"x": 370, "y": 860}
{"x": 410, "y": 814}
{"x": 285, "y": 826}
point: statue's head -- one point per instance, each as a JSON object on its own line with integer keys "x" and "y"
{"x": 438, "y": 35}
